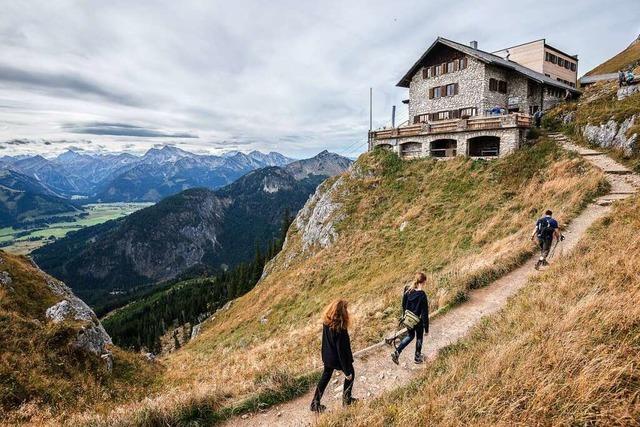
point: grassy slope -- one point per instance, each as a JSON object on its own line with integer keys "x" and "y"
{"x": 630, "y": 57}
{"x": 466, "y": 223}
{"x": 41, "y": 374}
{"x": 563, "y": 352}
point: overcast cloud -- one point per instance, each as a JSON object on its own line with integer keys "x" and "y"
{"x": 210, "y": 76}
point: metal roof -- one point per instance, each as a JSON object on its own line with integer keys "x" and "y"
{"x": 487, "y": 58}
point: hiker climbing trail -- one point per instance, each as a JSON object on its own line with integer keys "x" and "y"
{"x": 376, "y": 373}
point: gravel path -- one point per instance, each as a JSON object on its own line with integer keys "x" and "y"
{"x": 376, "y": 373}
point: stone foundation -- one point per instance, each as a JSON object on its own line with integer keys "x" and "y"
{"x": 510, "y": 139}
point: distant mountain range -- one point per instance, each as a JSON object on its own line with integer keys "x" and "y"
{"x": 194, "y": 229}
{"x": 24, "y": 200}
{"x": 123, "y": 177}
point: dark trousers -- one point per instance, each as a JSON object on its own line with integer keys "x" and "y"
{"x": 412, "y": 333}
{"x": 545, "y": 247}
{"x": 324, "y": 380}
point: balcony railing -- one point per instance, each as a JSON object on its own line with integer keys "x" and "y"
{"x": 512, "y": 120}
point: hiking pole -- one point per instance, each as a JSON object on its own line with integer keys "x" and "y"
{"x": 553, "y": 250}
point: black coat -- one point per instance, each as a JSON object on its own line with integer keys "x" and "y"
{"x": 416, "y": 301}
{"x": 336, "y": 350}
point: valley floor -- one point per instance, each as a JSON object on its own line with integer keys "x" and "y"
{"x": 22, "y": 241}
{"x": 376, "y": 374}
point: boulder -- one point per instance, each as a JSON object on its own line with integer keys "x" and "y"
{"x": 568, "y": 117}
{"x": 195, "y": 330}
{"x": 626, "y": 91}
{"x": 5, "y": 278}
{"x": 92, "y": 337}
{"x": 612, "y": 135}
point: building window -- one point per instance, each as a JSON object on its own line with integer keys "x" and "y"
{"x": 531, "y": 88}
{"x": 555, "y": 92}
{"x": 497, "y": 86}
{"x": 533, "y": 109}
{"x": 573, "y": 66}
{"x": 442, "y": 91}
{"x": 467, "y": 112}
{"x": 462, "y": 63}
{"x": 560, "y": 62}
{"x": 451, "y": 90}
{"x": 450, "y": 67}
{"x": 443, "y": 115}
{"x": 420, "y": 118}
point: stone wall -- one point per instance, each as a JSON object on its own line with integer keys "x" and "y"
{"x": 510, "y": 140}
{"x": 473, "y": 91}
{"x": 470, "y": 90}
{"x": 551, "y": 101}
{"x": 517, "y": 95}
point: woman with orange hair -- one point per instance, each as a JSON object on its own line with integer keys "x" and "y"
{"x": 336, "y": 352}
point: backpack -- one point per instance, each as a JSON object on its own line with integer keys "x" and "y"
{"x": 545, "y": 230}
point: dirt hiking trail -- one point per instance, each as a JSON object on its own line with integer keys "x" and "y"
{"x": 376, "y": 373}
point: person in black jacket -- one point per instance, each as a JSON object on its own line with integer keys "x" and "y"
{"x": 336, "y": 353}
{"x": 415, "y": 300}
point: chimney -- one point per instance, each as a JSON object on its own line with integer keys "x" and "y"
{"x": 474, "y": 44}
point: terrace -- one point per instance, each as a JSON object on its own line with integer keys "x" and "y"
{"x": 471, "y": 124}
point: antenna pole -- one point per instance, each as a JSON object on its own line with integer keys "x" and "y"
{"x": 393, "y": 116}
{"x": 370, "y": 109}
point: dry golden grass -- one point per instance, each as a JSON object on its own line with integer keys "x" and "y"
{"x": 467, "y": 222}
{"x": 563, "y": 352}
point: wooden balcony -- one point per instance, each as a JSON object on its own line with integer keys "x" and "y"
{"x": 514, "y": 120}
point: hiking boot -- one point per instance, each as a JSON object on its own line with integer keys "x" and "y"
{"x": 349, "y": 401}
{"x": 394, "y": 357}
{"x": 545, "y": 263}
{"x": 538, "y": 264}
{"x": 418, "y": 359}
{"x": 317, "y": 407}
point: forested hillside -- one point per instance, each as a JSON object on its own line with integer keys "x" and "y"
{"x": 141, "y": 324}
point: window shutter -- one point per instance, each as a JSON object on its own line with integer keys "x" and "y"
{"x": 444, "y": 68}
{"x": 455, "y": 88}
{"x": 455, "y": 65}
{"x": 424, "y": 73}
{"x": 431, "y": 93}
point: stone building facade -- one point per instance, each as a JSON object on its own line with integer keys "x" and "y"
{"x": 459, "y": 95}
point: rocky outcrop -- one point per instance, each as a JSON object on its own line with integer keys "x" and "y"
{"x": 612, "y": 135}
{"x": 317, "y": 219}
{"x": 92, "y": 337}
{"x": 626, "y": 91}
{"x": 5, "y": 279}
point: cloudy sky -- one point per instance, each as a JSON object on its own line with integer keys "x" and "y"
{"x": 209, "y": 76}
